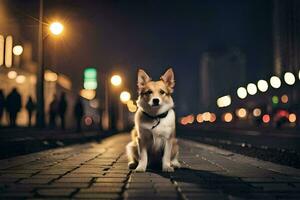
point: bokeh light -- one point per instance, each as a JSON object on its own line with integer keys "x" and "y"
{"x": 284, "y": 98}
{"x": 199, "y": 118}
{"x": 266, "y": 118}
{"x": 56, "y": 28}
{"x": 116, "y": 80}
{"x": 12, "y": 74}
{"x": 20, "y": 79}
{"x": 262, "y": 85}
{"x": 292, "y": 117}
{"x": 275, "y": 100}
{"x": 289, "y": 78}
{"x": 227, "y": 117}
{"x": 17, "y": 50}
{"x": 241, "y": 113}
{"x": 206, "y": 116}
{"x": 224, "y": 101}
{"x": 251, "y": 89}
{"x": 256, "y": 112}
{"x": 213, "y": 117}
{"x": 241, "y": 92}
{"x": 275, "y": 82}
{"x": 125, "y": 96}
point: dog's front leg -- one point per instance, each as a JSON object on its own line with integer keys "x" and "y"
{"x": 166, "y": 160}
{"x": 143, "y": 157}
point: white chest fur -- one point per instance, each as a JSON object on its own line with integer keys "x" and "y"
{"x": 160, "y": 127}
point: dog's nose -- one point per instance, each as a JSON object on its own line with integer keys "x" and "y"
{"x": 155, "y": 102}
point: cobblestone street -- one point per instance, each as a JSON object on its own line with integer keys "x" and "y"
{"x": 99, "y": 171}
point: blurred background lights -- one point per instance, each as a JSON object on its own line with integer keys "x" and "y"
{"x": 289, "y": 78}
{"x": 8, "y": 51}
{"x": 262, "y": 85}
{"x": 251, "y": 89}
{"x": 256, "y": 112}
{"x": 131, "y": 107}
{"x": 292, "y": 118}
{"x": 125, "y": 96}
{"x": 284, "y": 98}
{"x": 50, "y": 76}
{"x": 275, "y": 100}
{"x": 56, "y": 28}
{"x": 275, "y": 82}
{"x": 266, "y": 118}
{"x": 116, "y": 80}
{"x": 242, "y": 92}
{"x": 213, "y": 117}
{"x": 88, "y": 121}
{"x": 241, "y": 113}
{"x": 224, "y": 101}
{"x": 17, "y": 50}
{"x": 12, "y": 74}
{"x": 199, "y": 118}
{"x": 88, "y": 94}
{"x": 228, "y": 117}
{"x": 20, "y": 79}
{"x": 206, "y": 116}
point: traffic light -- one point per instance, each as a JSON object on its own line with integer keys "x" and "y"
{"x": 90, "y": 78}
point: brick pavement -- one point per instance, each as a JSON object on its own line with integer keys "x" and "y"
{"x": 99, "y": 171}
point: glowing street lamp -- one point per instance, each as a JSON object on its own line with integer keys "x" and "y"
{"x": 125, "y": 97}
{"x": 116, "y": 80}
{"x": 56, "y": 28}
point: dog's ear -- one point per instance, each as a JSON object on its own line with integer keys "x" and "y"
{"x": 168, "y": 78}
{"x": 142, "y": 79}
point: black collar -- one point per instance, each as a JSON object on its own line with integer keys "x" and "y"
{"x": 156, "y": 117}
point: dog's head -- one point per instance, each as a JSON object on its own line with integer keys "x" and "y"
{"x": 155, "y": 96}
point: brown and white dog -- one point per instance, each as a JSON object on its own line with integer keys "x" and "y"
{"x": 153, "y": 138}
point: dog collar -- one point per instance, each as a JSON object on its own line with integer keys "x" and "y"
{"x": 157, "y": 117}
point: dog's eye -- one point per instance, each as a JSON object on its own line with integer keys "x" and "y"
{"x": 162, "y": 92}
{"x": 148, "y": 92}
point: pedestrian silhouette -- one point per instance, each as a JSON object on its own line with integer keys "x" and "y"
{"x": 53, "y": 111}
{"x": 62, "y": 108}
{"x": 2, "y": 105}
{"x": 30, "y": 107}
{"x": 78, "y": 112}
{"x": 13, "y": 106}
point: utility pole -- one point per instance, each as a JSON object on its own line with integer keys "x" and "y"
{"x": 40, "y": 117}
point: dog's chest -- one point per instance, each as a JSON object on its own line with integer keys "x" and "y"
{"x": 160, "y": 127}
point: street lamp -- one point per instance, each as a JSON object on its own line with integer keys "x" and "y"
{"x": 56, "y": 28}
{"x": 125, "y": 97}
{"x": 116, "y": 80}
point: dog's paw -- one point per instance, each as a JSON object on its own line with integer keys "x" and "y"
{"x": 175, "y": 164}
{"x": 140, "y": 169}
{"x": 168, "y": 169}
{"x": 132, "y": 165}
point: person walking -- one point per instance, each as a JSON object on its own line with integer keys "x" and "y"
{"x": 30, "y": 107}
{"x": 53, "y": 111}
{"x": 2, "y": 105}
{"x": 62, "y": 108}
{"x": 78, "y": 113}
{"x": 13, "y": 106}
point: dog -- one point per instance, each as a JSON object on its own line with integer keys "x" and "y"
{"x": 153, "y": 137}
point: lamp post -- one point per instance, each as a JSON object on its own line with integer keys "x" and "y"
{"x": 115, "y": 81}
{"x": 55, "y": 28}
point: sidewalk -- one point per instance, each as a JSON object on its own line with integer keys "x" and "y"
{"x": 18, "y": 141}
{"x": 99, "y": 171}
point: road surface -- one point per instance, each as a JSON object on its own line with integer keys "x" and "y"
{"x": 99, "y": 171}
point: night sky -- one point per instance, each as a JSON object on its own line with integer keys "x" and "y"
{"x": 124, "y": 35}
